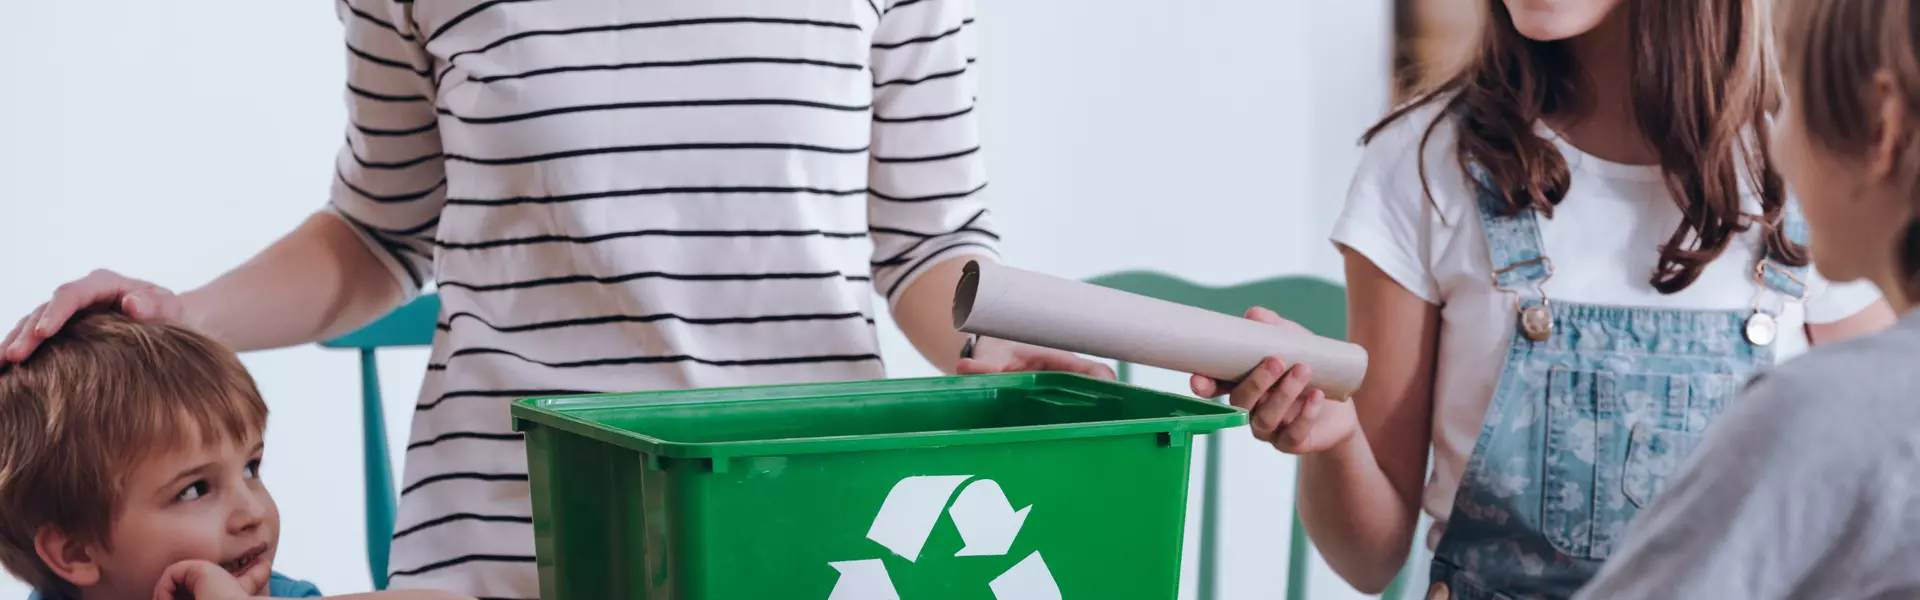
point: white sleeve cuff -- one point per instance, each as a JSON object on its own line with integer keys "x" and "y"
{"x": 1416, "y": 278}
{"x": 409, "y": 289}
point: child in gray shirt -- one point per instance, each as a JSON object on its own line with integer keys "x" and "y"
{"x": 1809, "y": 486}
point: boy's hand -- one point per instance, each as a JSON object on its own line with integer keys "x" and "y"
{"x": 201, "y": 580}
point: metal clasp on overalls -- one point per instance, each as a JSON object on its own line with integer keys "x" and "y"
{"x": 1763, "y": 327}
{"x": 1535, "y": 321}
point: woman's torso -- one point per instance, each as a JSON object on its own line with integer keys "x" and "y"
{"x": 640, "y": 196}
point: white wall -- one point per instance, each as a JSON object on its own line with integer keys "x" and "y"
{"x": 1211, "y": 138}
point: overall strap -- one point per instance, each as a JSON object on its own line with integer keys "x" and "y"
{"x": 1774, "y": 273}
{"x": 1514, "y": 249}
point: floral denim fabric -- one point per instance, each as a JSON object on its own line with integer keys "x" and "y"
{"x": 1585, "y": 427}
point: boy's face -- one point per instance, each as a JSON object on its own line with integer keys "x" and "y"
{"x": 204, "y": 503}
{"x": 1849, "y": 220}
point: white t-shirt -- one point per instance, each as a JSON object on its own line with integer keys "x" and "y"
{"x": 1604, "y": 241}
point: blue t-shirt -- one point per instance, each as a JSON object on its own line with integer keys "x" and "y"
{"x": 281, "y": 586}
{"x": 278, "y": 586}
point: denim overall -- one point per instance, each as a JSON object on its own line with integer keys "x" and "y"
{"x": 1589, "y": 419}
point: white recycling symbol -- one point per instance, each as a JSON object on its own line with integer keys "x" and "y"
{"x": 988, "y": 525}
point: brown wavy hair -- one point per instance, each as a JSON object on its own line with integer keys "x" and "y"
{"x": 1703, "y": 81}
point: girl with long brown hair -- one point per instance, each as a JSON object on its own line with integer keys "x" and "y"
{"x": 1563, "y": 262}
{"x": 1803, "y": 489}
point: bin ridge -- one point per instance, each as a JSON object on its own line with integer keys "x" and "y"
{"x": 986, "y": 520}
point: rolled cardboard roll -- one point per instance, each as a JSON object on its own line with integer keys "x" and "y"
{"x": 1004, "y": 302}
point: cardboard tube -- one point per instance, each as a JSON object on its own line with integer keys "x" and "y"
{"x": 1004, "y": 302}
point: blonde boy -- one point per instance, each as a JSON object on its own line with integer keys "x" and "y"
{"x": 130, "y": 456}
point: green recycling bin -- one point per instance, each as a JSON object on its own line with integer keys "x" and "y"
{"x": 1000, "y": 487}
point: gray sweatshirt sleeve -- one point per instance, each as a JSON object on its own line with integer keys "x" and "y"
{"x": 1775, "y": 493}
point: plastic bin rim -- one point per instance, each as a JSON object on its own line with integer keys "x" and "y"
{"x": 540, "y": 411}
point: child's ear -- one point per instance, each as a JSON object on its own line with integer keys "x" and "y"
{"x": 1889, "y": 127}
{"x": 68, "y": 557}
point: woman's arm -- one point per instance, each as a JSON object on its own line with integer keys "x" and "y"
{"x": 925, "y": 208}
{"x": 372, "y": 247}
{"x": 341, "y": 269}
{"x": 1360, "y": 500}
{"x": 925, "y": 185}
{"x": 925, "y": 314}
{"x": 316, "y": 283}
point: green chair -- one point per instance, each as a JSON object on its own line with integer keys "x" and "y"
{"x": 409, "y": 326}
{"x": 1316, "y": 304}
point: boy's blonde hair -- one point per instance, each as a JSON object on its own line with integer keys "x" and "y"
{"x": 1830, "y": 52}
{"x": 75, "y": 417}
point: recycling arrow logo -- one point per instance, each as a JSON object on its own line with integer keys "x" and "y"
{"x": 987, "y": 522}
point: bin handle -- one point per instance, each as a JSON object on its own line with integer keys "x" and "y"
{"x": 1176, "y": 437}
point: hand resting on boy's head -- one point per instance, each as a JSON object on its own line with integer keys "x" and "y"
{"x": 138, "y": 299}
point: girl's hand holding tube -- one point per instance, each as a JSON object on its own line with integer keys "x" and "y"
{"x": 1283, "y": 410}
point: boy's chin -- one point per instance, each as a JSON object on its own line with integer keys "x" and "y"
{"x": 255, "y": 576}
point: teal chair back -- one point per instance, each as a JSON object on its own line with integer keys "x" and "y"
{"x": 1316, "y": 304}
{"x": 409, "y": 326}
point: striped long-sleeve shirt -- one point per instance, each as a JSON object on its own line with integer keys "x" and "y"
{"x": 617, "y": 196}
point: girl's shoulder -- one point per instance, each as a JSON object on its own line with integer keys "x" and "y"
{"x": 1410, "y": 162}
{"x": 1406, "y": 194}
{"x": 1423, "y": 125}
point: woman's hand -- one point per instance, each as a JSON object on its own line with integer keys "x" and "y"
{"x": 202, "y": 580}
{"x": 139, "y": 299}
{"x": 1282, "y": 409}
{"x": 992, "y": 355}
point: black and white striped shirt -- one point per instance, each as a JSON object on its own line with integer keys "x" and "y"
{"x": 625, "y": 195}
